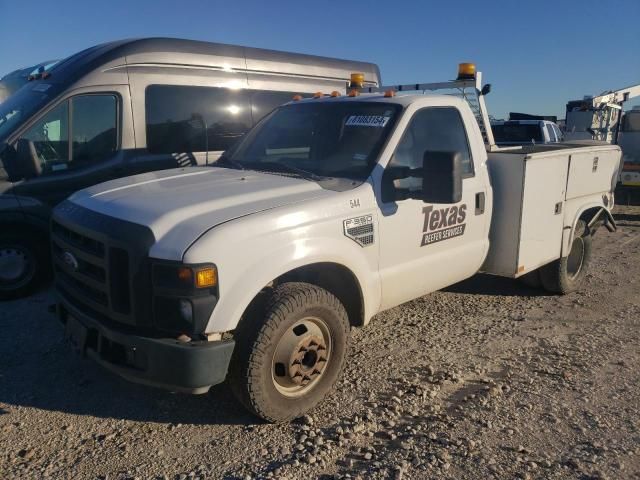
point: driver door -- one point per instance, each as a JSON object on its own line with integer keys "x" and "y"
{"x": 425, "y": 246}
{"x": 75, "y": 144}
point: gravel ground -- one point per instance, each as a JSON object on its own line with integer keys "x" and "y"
{"x": 487, "y": 379}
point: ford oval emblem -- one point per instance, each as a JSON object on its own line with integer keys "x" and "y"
{"x": 71, "y": 261}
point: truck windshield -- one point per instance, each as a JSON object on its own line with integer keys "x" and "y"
{"x": 21, "y": 105}
{"x": 330, "y": 139}
{"x": 517, "y": 133}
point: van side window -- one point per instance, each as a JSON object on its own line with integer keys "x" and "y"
{"x": 263, "y": 102}
{"x": 435, "y": 129}
{"x": 92, "y": 122}
{"x": 183, "y": 119}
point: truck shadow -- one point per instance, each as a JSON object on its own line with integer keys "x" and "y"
{"x": 38, "y": 369}
{"x": 484, "y": 284}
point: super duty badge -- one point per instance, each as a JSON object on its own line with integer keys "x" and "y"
{"x": 443, "y": 223}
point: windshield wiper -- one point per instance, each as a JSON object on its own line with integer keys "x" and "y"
{"x": 306, "y": 174}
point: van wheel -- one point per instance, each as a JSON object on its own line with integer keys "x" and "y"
{"x": 566, "y": 274}
{"x": 287, "y": 359}
{"x": 23, "y": 263}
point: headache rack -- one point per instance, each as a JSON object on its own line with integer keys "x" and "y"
{"x": 467, "y": 86}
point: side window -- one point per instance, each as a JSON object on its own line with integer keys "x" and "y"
{"x": 92, "y": 121}
{"x": 94, "y": 132}
{"x": 50, "y": 139}
{"x": 183, "y": 119}
{"x": 263, "y": 102}
{"x": 436, "y": 129}
{"x": 551, "y": 133}
{"x": 558, "y": 133}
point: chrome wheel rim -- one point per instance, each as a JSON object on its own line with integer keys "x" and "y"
{"x": 301, "y": 357}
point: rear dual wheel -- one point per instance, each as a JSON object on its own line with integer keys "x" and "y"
{"x": 567, "y": 274}
{"x": 291, "y": 355}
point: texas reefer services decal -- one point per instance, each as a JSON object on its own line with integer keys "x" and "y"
{"x": 443, "y": 223}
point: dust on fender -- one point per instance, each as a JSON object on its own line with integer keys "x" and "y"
{"x": 443, "y": 223}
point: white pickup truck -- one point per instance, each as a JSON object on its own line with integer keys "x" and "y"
{"x": 329, "y": 211}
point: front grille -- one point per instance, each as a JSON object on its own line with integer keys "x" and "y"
{"x": 92, "y": 272}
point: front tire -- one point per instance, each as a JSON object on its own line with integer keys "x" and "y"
{"x": 23, "y": 265}
{"x": 289, "y": 357}
{"x": 567, "y": 274}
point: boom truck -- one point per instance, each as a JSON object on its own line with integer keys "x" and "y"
{"x": 330, "y": 210}
{"x": 602, "y": 118}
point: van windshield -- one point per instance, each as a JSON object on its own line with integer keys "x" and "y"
{"x": 21, "y": 105}
{"x": 517, "y": 133}
{"x": 330, "y": 139}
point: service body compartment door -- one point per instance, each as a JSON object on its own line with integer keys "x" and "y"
{"x": 542, "y": 216}
{"x": 592, "y": 172}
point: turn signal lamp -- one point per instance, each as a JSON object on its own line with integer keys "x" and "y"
{"x": 297, "y": 98}
{"x": 206, "y": 277}
{"x": 357, "y": 80}
{"x": 389, "y": 93}
{"x": 466, "y": 71}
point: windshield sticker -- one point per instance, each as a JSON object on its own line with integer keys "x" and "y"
{"x": 367, "y": 121}
{"x": 443, "y": 223}
{"x": 41, "y": 87}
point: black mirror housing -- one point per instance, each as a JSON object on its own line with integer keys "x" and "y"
{"x": 441, "y": 177}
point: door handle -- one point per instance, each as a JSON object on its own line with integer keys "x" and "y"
{"x": 479, "y": 203}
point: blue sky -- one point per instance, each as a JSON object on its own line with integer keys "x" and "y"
{"x": 536, "y": 54}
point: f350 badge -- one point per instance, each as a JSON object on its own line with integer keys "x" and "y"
{"x": 360, "y": 230}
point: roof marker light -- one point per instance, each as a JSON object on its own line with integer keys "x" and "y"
{"x": 389, "y": 94}
{"x": 353, "y": 93}
{"x": 335, "y": 93}
{"x": 317, "y": 95}
{"x": 297, "y": 98}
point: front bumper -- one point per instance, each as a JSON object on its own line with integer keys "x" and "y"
{"x": 159, "y": 362}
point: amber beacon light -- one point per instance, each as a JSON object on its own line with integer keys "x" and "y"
{"x": 357, "y": 80}
{"x": 466, "y": 71}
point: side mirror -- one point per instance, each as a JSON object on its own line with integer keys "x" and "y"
{"x": 441, "y": 177}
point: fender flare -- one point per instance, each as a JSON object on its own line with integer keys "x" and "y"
{"x": 596, "y": 213}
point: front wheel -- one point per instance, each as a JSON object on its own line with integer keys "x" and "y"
{"x": 567, "y": 274}
{"x": 289, "y": 358}
{"x": 23, "y": 264}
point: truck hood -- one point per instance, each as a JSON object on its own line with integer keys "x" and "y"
{"x": 180, "y": 205}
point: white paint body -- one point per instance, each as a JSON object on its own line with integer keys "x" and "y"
{"x": 258, "y": 226}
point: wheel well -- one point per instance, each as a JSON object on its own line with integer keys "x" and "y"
{"x": 336, "y": 279}
{"x": 36, "y": 233}
{"x": 588, "y": 215}
{"x": 333, "y": 277}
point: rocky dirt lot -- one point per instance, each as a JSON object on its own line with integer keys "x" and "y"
{"x": 488, "y": 379}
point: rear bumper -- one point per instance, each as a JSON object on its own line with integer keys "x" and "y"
{"x": 159, "y": 362}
